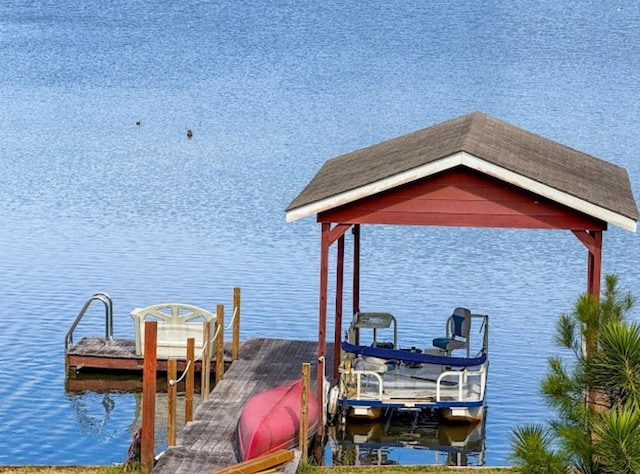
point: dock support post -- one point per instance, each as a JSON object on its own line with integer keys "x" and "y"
{"x": 235, "y": 348}
{"x": 219, "y": 343}
{"x": 172, "y": 375}
{"x": 149, "y": 395}
{"x": 188, "y": 399}
{"x": 337, "y": 334}
{"x": 205, "y": 373}
{"x": 304, "y": 410}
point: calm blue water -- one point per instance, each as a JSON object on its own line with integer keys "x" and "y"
{"x": 271, "y": 90}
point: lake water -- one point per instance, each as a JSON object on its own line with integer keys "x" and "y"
{"x": 91, "y": 201}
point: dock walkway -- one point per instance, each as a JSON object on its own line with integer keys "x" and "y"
{"x": 208, "y": 442}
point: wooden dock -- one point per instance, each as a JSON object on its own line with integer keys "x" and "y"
{"x": 208, "y": 442}
{"x": 96, "y": 353}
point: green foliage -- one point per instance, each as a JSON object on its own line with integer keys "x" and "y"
{"x": 615, "y": 368}
{"x": 603, "y": 372}
{"x": 563, "y": 391}
{"x": 618, "y": 445}
{"x": 567, "y": 336}
{"x": 532, "y": 451}
{"x": 400, "y": 470}
{"x": 615, "y": 306}
{"x": 64, "y": 470}
{"x": 586, "y": 314}
{"x": 574, "y": 440}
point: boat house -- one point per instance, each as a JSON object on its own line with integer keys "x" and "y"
{"x": 472, "y": 171}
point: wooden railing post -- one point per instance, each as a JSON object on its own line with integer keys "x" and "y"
{"x": 172, "y": 393}
{"x": 188, "y": 398}
{"x": 149, "y": 396}
{"x": 235, "y": 347}
{"x": 205, "y": 373}
{"x": 304, "y": 410}
{"x": 219, "y": 343}
{"x": 320, "y": 371}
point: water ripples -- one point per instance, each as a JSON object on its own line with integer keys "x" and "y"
{"x": 92, "y": 201}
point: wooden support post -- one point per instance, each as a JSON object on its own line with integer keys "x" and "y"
{"x": 304, "y": 410}
{"x": 337, "y": 334}
{"x": 149, "y": 396}
{"x": 172, "y": 393}
{"x": 235, "y": 347}
{"x": 355, "y": 283}
{"x": 327, "y": 237}
{"x": 322, "y": 316}
{"x": 188, "y": 399}
{"x": 594, "y": 264}
{"x": 205, "y": 374}
{"x": 592, "y": 240}
{"x": 219, "y": 343}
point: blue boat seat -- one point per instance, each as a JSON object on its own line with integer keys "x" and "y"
{"x": 458, "y": 328}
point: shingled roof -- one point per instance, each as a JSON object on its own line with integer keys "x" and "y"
{"x": 485, "y": 144}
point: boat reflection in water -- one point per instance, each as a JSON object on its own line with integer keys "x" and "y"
{"x": 406, "y": 437}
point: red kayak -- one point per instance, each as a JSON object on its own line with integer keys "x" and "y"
{"x": 271, "y": 420}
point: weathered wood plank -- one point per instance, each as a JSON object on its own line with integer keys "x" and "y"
{"x": 208, "y": 442}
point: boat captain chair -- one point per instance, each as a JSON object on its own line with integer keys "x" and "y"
{"x": 458, "y": 328}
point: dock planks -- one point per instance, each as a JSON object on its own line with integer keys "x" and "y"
{"x": 96, "y": 353}
{"x": 208, "y": 442}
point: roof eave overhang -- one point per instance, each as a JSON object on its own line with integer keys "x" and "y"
{"x": 473, "y": 162}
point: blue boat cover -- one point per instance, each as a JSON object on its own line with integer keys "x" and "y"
{"x": 415, "y": 357}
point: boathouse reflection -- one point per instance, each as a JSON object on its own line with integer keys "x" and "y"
{"x": 405, "y": 437}
{"x": 410, "y": 437}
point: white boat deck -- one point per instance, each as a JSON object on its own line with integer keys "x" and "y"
{"x": 413, "y": 384}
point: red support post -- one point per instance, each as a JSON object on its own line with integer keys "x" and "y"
{"x": 592, "y": 240}
{"x": 356, "y": 274}
{"x": 322, "y": 317}
{"x": 594, "y": 266}
{"x": 339, "y": 296}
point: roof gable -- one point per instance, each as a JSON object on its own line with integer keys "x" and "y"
{"x": 461, "y": 197}
{"x": 482, "y": 143}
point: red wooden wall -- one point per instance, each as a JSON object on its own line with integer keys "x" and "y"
{"x": 461, "y": 197}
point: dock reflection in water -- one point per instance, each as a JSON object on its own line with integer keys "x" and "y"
{"x": 97, "y": 397}
{"x": 406, "y": 438}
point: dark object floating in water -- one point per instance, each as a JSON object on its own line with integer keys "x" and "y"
{"x": 138, "y": 122}
{"x": 189, "y": 133}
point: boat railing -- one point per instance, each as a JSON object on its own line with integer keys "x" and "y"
{"x": 359, "y": 386}
{"x": 362, "y": 383}
{"x": 108, "y": 318}
{"x": 458, "y": 380}
{"x": 484, "y": 329}
{"x": 463, "y": 381}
